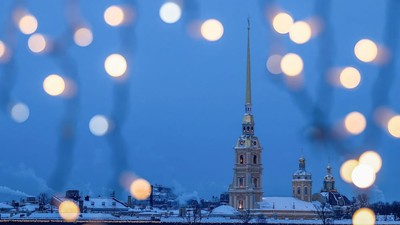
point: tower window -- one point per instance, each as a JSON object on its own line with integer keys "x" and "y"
{"x": 240, "y": 204}
{"x": 255, "y": 159}
{"x": 248, "y": 128}
{"x": 255, "y": 182}
{"x": 241, "y": 159}
{"x": 298, "y": 190}
{"x": 241, "y": 181}
{"x": 305, "y": 190}
{"x": 252, "y": 128}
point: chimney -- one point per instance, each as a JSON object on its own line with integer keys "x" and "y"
{"x": 151, "y": 197}
{"x": 129, "y": 203}
{"x": 80, "y": 206}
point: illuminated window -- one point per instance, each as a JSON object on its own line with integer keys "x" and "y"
{"x": 241, "y": 181}
{"x": 255, "y": 159}
{"x": 240, "y": 204}
{"x": 241, "y": 159}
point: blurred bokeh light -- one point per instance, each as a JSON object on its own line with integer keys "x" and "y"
{"x": 355, "y": 123}
{"x": 347, "y": 169}
{"x": 274, "y": 64}
{"x": 371, "y": 158}
{"x": 54, "y": 85}
{"x": 37, "y": 43}
{"x": 364, "y": 216}
{"x": 83, "y": 37}
{"x": 99, "y": 125}
{"x": 212, "y": 30}
{"x": 28, "y": 24}
{"x": 114, "y": 15}
{"x": 115, "y": 65}
{"x": 393, "y": 126}
{"x": 140, "y": 189}
{"x": 170, "y": 12}
{"x": 350, "y": 77}
{"x": 366, "y": 50}
{"x": 69, "y": 211}
{"x": 363, "y": 176}
{"x": 19, "y": 112}
{"x": 282, "y": 23}
{"x": 300, "y": 32}
{"x": 291, "y": 64}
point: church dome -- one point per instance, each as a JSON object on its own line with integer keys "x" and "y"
{"x": 224, "y": 210}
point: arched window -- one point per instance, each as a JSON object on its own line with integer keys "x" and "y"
{"x": 255, "y": 182}
{"x": 255, "y": 159}
{"x": 248, "y": 128}
{"x": 241, "y": 181}
{"x": 241, "y": 159}
{"x": 240, "y": 204}
{"x": 298, "y": 190}
{"x": 305, "y": 190}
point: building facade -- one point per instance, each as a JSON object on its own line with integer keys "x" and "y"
{"x": 302, "y": 182}
{"x": 246, "y": 188}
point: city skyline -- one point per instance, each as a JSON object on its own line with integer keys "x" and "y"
{"x": 182, "y": 101}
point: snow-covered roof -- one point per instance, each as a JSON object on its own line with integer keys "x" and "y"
{"x": 285, "y": 203}
{"x": 5, "y": 206}
{"x": 226, "y": 210}
{"x": 106, "y": 203}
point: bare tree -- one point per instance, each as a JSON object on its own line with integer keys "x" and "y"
{"x": 324, "y": 213}
{"x": 193, "y": 216}
{"x": 245, "y": 216}
{"x": 43, "y": 200}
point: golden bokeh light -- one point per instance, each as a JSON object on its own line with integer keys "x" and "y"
{"x": 69, "y": 211}
{"x": 212, "y": 30}
{"x": 366, "y": 50}
{"x": 291, "y": 64}
{"x": 27, "y": 24}
{"x": 19, "y": 112}
{"x": 37, "y": 43}
{"x": 355, "y": 123}
{"x": 140, "y": 189}
{"x": 364, "y": 216}
{"x": 282, "y": 23}
{"x": 83, "y": 37}
{"x": 3, "y": 49}
{"x": 274, "y": 64}
{"x": 347, "y": 169}
{"x": 363, "y": 176}
{"x": 300, "y": 32}
{"x": 350, "y": 77}
{"x": 115, "y": 65}
{"x": 371, "y": 158}
{"x": 99, "y": 125}
{"x": 54, "y": 85}
{"x": 170, "y": 12}
{"x": 114, "y": 15}
{"x": 393, "y": 126}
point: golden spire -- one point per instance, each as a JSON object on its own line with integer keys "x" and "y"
{"x": 248, "y": 73}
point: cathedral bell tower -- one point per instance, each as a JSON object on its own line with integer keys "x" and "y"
{"x": 302, "y": 182}
{"x": 329, "y": 181}
{"x": 246, "y": 188}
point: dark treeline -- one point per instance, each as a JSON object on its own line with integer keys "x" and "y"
{"x": 385, "y": 208}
